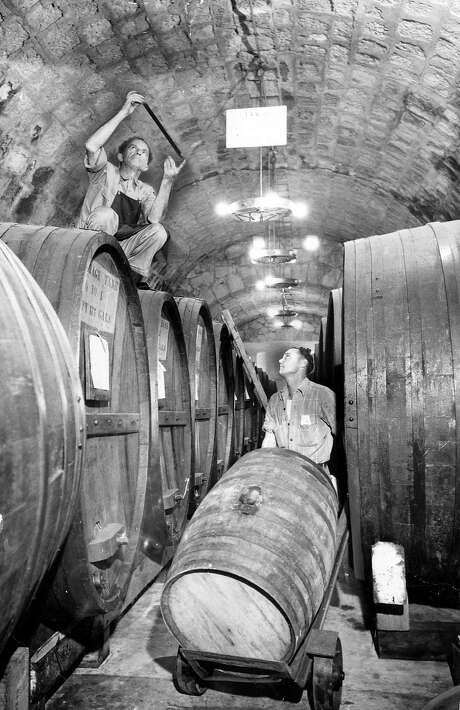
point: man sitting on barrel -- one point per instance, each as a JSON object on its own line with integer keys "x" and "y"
{"x": 118, "y": 203}
{"x": 301, "y": 416}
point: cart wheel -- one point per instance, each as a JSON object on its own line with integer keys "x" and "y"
{"x": 327, "y": 679}
{"x": 185, "y": 680}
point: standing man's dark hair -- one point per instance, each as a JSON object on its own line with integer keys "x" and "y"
{"x": 306, "y": 353}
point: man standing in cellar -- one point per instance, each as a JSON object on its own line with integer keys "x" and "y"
{"x": 301, "y": 416}
{"x": 118, "y": 203}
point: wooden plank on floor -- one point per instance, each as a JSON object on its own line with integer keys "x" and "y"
{"x": 431, "y": 633}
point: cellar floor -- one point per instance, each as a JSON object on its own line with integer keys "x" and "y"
{"x": 137, "y": 675}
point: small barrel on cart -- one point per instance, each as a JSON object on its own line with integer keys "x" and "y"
{"x": 253, "y": 565}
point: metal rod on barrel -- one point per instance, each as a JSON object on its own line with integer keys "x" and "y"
{"x": 163, "y": 130}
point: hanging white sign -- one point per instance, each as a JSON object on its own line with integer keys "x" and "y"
{"x": 256, "y": 127}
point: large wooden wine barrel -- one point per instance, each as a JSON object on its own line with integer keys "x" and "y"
{"x": 333, "y": 378}
{"x": 87, "y": 278}
{"x": 201, "y": 352}
{"x": 225, "y": 398}
{"x": 314, "y": 374}
{"x": 41, "y": 434}
{"x": 170, "y": 472}
{"x": 321, "y": 374}
{"x": 253, "y": 564}
{"x": 253, "y": 417}
{"x": 402, "y": 385}
{"x": 239, "y": 403}
{"x": 333, "y": 358}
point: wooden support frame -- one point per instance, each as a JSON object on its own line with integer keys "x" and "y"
{"x": 431, "y": 634}
{"x": 247, "y": 363}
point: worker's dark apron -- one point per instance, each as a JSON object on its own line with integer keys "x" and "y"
{"x": 129, "y": 211}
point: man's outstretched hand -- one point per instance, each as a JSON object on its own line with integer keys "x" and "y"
{"x": 170, "y": 169}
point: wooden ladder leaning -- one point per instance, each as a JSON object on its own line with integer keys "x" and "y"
{"x": 247, "y": 362}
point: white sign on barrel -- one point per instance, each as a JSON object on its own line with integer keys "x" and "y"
{"x": 100, "y": 298}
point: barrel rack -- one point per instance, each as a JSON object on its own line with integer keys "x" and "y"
{"x": 316, "y": 665}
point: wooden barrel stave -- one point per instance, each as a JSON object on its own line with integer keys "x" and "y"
{"x": 253, "y": 416}
{"x": 42, "y": 439}
{"x": 201, "y": 352}
{"x": 321, "y": 375}
{"x": 450, "y": 250}
{"x": 225, "y": 399}
{"x": 229, "y": 552}
{"x": 239, "y": 400}
{"x": 333, "y": 342}
{"x": 172, "y": 449}
{"x": 66, "y": 264}
{"x": 401, "y": 428}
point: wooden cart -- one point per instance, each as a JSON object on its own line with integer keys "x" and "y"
{"x": 316, "y": 665}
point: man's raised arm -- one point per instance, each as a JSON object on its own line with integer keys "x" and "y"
{"x": 102, "y": 135}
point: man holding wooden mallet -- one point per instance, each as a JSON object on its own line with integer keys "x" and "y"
{"x": 118, "y": 202}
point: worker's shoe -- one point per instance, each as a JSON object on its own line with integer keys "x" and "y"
{"x": 140, "y": 281}
{"x": 143, "y": 286}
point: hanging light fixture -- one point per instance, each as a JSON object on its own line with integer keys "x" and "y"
{"x": 271, "y": 252}
{"x": 275, "y": 256}
{"x": 265, "y": 207}
{"x": 284, "y": 315}
{"x": 281, "y": 282}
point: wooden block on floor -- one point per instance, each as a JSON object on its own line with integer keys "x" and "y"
{"x": 15, "y": 684}
{"x": 51, "y": 663}
{"x": 392, "y": 618}
{"x": 389, "y": 587}
{"x": 431, "y": 633}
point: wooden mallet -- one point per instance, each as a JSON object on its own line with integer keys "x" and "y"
{"x": 163, "y": 130}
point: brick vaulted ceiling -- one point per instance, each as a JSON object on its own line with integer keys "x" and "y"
{"x": 373, "y": 97}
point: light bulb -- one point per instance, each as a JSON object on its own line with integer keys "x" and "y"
{"x": 222, "y": 209}
{"x": 296, "y": 323}
{"x": 272, "y": 311}
{"x": 258, "y": 246}
{"x": 258, "y": 243}
{"x": 271, "y": 199}
{"x": 260, "y": 285}
{"x": 277, "y": 323}
{"x": 270, "y": 280}
{"x": 299, "y": 210}
{"x": 311, "y": 243}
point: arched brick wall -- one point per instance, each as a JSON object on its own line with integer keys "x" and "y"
{"x": 372, "y": 90}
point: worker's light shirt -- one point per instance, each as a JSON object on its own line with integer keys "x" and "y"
{"x": 311, "y": 423}
{"x": 104, "y": 183}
